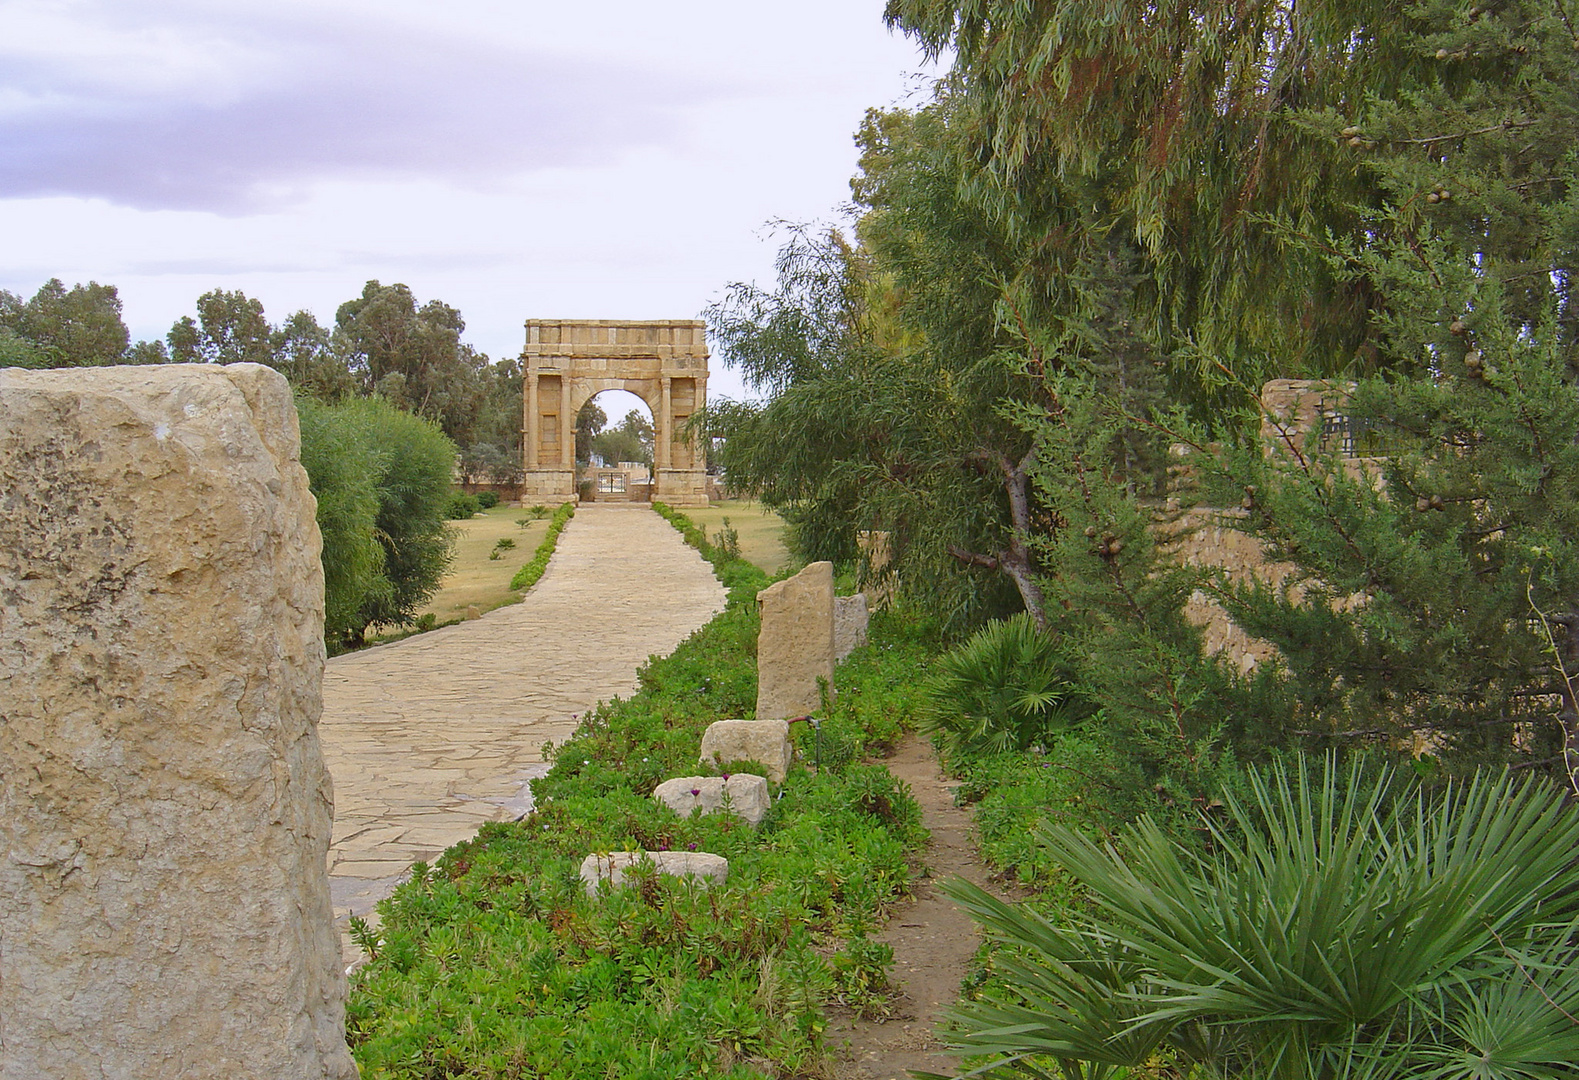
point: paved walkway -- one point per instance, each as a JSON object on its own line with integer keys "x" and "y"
{"x": 429, "y": 737}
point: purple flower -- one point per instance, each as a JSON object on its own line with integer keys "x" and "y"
{"x": 726, "y": 778}
{"x": 696, "y": 791}
{"x": 690, "y": 847}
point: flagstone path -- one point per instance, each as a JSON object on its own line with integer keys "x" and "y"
{"x": 429, "y": 737}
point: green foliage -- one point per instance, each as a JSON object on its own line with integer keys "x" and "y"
{"x": 382, "y": 481}
{"x": 529, "y": 574}
{"x": 60, "y": 327}
{"x": 461, "y": 507}
{"x": 342, "y": 466}
{"x": 495, "y": 963}
{"x": 1084, "y": 780}
{"x": 1344, "y": 923}
{"x": 487, "y": 500}
{"x": 500, "y": 546}
{"x": 415, "y": 464}
{"x": 632, "y": 440}
{"x": 1008, "y": 687}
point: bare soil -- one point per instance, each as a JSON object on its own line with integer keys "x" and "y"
{"x": 933, "y": 940}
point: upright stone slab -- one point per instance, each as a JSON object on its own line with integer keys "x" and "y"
{"x": 795, "y": 645}
{"x": 164, "y": 807}
{"x": 767, "y": 742}
{"x": 850, "y": 621}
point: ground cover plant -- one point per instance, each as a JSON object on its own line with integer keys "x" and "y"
{"x": 493, "y": 962}
{"x": 529, "y": 574}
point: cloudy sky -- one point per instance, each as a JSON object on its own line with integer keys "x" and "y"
{"x": 515, "y": 158}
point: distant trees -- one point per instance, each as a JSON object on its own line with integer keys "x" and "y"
{"x": 60, "y": 327}
{"x": 630, "y": 440}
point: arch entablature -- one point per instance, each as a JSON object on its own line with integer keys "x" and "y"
{"x": 566, "y": 362}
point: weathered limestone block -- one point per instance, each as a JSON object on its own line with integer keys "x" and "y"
{"x": 875, "y": 549}
{"x": 766, "y": 742}
{"x": 164, "y": 806}
{"x": 747, "y": 795}
{"x": 850, "y": 620}
{"x": 698, "y": 866}
{"x": 795, "y": 645}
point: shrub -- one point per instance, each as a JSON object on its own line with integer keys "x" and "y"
{"x": 1346, "y": 924}
{"x": 1006, "y": 688}
{"x": 415, "y": 462}
{"x": 341, "y": 469}
{"x": 487, "y": 499}
{"x": 461, "y": 506}
{"x": 529, "y": 574}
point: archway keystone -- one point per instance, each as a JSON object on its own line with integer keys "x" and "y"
{"x": 567, "y": 361}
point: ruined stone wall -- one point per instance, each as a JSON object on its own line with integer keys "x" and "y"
{"x": 164, "y": 806}
{"x": 1205, "y": 537}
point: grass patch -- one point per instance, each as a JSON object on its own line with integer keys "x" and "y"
{"x": 529, "y": 574}
{"x": 475, "y": 580}
{"x": 493, "y": 963}
{"x": 760, "y": 531}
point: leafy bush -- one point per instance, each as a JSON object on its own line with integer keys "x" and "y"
{"x": 415, "y": 462}
{"x": 461, "y": 506}
{"x": 1005, "y": 688}
{"x": 1346, "y": 924}
{"x": 341, "y": 469}
{"x": 488, "y": 499}
{"x": 382, "y": 481}
{"x": 530, "y": 574}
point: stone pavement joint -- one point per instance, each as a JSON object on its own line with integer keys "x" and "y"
{"x": 428, "y": 738}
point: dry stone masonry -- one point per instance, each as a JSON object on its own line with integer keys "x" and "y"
{"x": 743, "y": 794}
{"x": 164, "y": 807}
{"x": 766, "y": 742}
{"x": 795, "y": 645}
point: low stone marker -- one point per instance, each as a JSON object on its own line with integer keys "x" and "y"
{"x": 795, "y": 645}
{"x": 164, "y": 807}
{"x": 766, "y": 742}
{"x": 745, "y": 794}
{"x": 698, "y": 866}
{"x": 850, "y": 620}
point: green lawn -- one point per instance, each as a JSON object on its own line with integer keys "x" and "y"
{"x": 475, "y": 579}
{"x": 761, "y": 531}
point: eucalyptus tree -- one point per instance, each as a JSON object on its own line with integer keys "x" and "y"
{"x": 60, "y": 327}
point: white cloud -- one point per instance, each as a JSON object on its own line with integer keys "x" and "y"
{"x": 515, "y": 158}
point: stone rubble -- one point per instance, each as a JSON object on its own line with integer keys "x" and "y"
{"x": 747, "y": 795}
{"x": 697, "y": 866}
{"x": 795, "y": 646}
{"x": 765, "y": 742}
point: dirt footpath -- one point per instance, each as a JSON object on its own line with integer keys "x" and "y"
{"x": 933, "y": 940}
{"x": 429, "y": 737}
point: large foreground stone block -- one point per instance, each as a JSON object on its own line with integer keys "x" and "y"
{"x": 795, "y": 645}
{"x": 746, "y": 796}
{"x": 764, "y": 741}
{"x": 164, "y": 807}
{"x": 698, "y": 866}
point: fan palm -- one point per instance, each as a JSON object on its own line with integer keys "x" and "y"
{"x": 1348, "y": 926}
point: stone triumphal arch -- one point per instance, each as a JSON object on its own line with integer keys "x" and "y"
{"x": 567, "y": 361}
